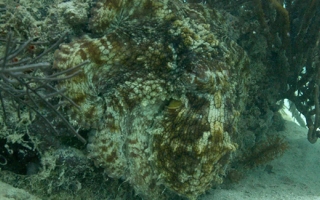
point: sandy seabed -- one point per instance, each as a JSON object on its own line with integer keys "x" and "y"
{"x": 295, "y": 175}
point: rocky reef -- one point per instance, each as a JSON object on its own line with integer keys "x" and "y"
{"x": 173, "y": 97}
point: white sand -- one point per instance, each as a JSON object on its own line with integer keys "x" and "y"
{"x": 7, "y": 192}
{"x": 296, "y": 174}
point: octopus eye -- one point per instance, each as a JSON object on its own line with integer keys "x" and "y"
{"x": 174, "y": 105}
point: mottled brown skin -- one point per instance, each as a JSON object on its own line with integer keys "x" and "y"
{"x": 160, "y": 92}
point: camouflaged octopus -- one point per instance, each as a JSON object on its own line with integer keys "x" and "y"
{"x": 162, "y": 94}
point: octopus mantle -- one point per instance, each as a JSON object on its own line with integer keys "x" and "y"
{"x": 162, "y": 94}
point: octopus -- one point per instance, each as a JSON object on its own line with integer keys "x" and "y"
{"x": 162, "y": 94}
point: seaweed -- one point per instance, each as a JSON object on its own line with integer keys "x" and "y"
{"x": 265, "y": 151}
{"x": 27, "y": 84}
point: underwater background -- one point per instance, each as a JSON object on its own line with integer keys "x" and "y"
{"x": 162, "y": 99}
